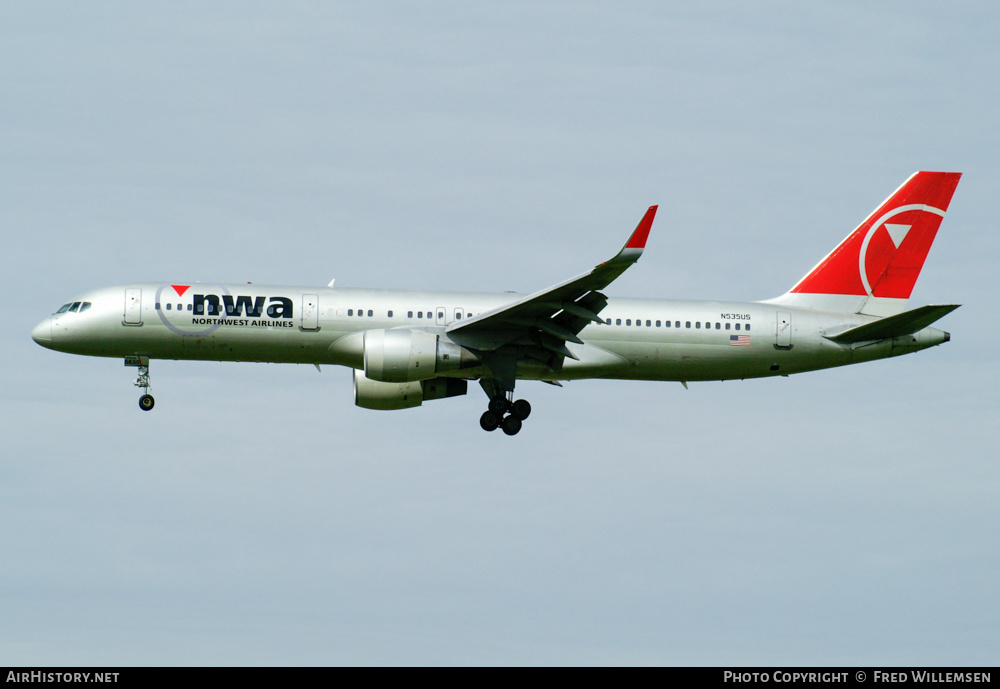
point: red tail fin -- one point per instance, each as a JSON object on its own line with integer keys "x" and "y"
{"x": 882, "y": 258}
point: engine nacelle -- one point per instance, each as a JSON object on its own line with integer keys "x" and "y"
{"x": 404, "y": 355}
{"x": 374, "y": 394}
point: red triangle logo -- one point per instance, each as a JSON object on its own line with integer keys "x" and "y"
{"x": 180, "y": 289}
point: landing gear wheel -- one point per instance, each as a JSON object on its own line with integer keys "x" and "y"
{"x": 510, "y": 424}
{"x": 146, "y": 402}
{"x": 499, "y": 405}
{"x": 521, "y": 409}
{"x": 489, "y": 421}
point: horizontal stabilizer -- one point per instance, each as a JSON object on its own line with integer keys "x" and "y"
{"x": 905, "y": 323}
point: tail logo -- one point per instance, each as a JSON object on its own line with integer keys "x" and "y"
{"x": 879, "y": 249}
{"x": 881, "y": 259}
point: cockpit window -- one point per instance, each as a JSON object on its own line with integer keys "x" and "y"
{"x": 74, "y": 307}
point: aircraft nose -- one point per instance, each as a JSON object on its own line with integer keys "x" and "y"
{"x": 42, "y": 333}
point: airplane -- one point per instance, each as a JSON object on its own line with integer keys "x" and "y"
{"x": 410, "y": 347}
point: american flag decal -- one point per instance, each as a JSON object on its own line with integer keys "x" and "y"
{"x": 739, "y": 340}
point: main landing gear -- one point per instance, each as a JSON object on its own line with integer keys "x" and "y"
{"x": 505, "y": 414}
{"x": 146, "y": 402}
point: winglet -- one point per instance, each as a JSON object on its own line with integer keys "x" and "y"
{"x": 641, "y": 233}
{"x": 637, "y": 241}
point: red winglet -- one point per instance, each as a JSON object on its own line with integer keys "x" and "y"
{"x": 641, "y": 234}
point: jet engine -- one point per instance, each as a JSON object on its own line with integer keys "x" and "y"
{"x": 404, "y": 355}
{"x": 374, "y": 394}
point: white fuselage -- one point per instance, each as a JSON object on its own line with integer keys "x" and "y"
{"x": 641, "y": 339}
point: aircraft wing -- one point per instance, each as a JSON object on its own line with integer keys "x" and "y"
{"x": 542, "y": 323}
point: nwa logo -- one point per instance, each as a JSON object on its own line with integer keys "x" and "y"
{"x": 209, "y": 312}
{"x": 242, "y": 306}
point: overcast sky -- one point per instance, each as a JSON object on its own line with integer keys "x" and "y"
{"x": 256, "y": 516}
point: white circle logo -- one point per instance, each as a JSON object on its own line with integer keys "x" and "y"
{"x": 897, "y": 233}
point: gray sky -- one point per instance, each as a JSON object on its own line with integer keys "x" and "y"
{"x": 257, "y": 516}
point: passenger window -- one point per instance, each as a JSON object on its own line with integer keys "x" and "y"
{"x": 727, "y": 326}
{"x": 718, "y": 326}
{"x": 687, "y": 324}
{"x": 168, "y": 307}
{"x": 737, "y": 326}
{"x": 390, "y": 313}
{"x": 409, "y": 314}
{"x": 189, "y": 307}
{"x": 648, "y": 323}
{"x": 420, "y": 314}
{"x": 157, "y": 306}
{"x": 350, "y": 312}
{"x": 657, "y": 324}
{"x": 748, "y": 326}
{"x": 677, "y": 324}
{"x": 628, "y": 321}
{"x": 83, "y": 307}
{"x": 369, "y": 313}
{"x": 618, "y": 321}
{"x": 607, "y": 322}
{"x": 697, "y": 325}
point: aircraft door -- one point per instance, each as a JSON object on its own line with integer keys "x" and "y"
{"x": 133, "y": 306}
{"x": 783, "y": 331}
{"x": 310, "y": 312}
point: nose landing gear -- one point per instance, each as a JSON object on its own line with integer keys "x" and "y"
{"x": 146, "y": 402}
